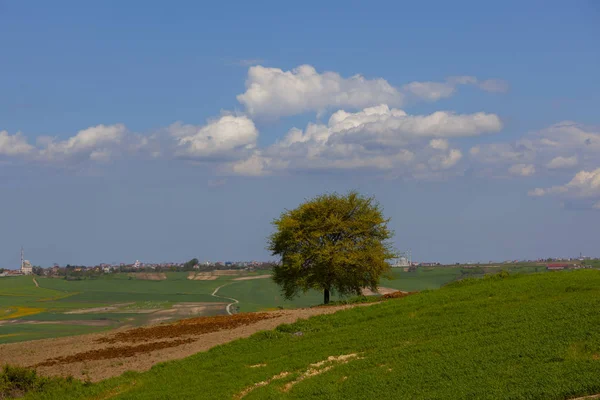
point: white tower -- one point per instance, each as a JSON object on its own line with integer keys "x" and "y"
{"x": 26, "y": 267}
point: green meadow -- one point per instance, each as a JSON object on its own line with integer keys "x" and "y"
{"x": 44, "y": 311}
{"x": 504, "y": 336}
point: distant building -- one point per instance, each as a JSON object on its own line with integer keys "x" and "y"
{"x": 26, "y": 267}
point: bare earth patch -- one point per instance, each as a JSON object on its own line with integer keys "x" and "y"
{"x": 148, "y": 276}
{"x": 249, "y": 278}
{"x": 313, "y": 370}
{"x": 103, "y": 355}
{"x": 201, "y": 276}
{"x": 114, "y": 307}
{"x": 380, "y": 290}
{"x": 321, "y": 367}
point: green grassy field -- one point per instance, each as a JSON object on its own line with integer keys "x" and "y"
{"x": 519, "y": 337}
{"x": 21, "y": 299}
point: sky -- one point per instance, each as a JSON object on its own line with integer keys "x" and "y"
{"x": 161, "y": 131}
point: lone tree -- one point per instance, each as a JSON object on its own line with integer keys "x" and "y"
{"x": 333, "y": 243}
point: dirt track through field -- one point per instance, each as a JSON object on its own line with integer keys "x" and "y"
{"x": 234, "y": 301}
{"x": 103, "y": 355}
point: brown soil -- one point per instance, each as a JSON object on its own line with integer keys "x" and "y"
{"x": 187, "y": 327}
{"x": 112, "y": 352}
{"x": 147, "y": 276}
{"x": 102, "y": 355}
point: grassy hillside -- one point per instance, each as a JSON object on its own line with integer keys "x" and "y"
{"x": 519, "y": 337}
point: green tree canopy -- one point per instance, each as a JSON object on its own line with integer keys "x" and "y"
{"x": 190, "y": 264}
{"x": 335, "y": 243}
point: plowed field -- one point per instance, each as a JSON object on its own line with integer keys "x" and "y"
{"x": 99, "y": 356}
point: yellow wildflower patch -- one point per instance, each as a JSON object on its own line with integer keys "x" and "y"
{"x": 22, "y": 312}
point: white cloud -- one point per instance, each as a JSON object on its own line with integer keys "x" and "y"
{"x": 94, "y": 143}
{"x": 14, "y": 145}
{"x": 522, "y": 169}
{"x": 498, "y": 153}
{"x": 583, "y": 188}
{"x": 387, "y": 126}
{"x": 560, "y": 146}
{"x": 445, "y": 161}
{"x": 376, "y": 138}
{"x": 562, "y": 162}
{"x": 439, "y": 144}
{"x": 433, "y": 91}
{"x": 229, "y": 137}
{"x": 273, "y": 92}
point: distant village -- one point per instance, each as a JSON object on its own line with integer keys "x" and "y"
{"x": 27, "y": 268}
{"x": 404, "y": 261}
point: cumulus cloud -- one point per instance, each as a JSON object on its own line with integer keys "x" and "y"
{"x": 386, "y": 126}
{"x": 439, "y": 144}
{"x": 445, "y": 161}
{"x": 273, "y": 92}
{"x": 369, "y": 130}
{"x": 562, "y": 162}
{"x": 584, "y": 189}
{"x": 228, "y": 137}
{"x": 14, "y": 145}
{"x": 94, "y": 143}
{"x": 377, "y": 138}
{"x": 522, "y": 169}
{"x": 560, "y": 146}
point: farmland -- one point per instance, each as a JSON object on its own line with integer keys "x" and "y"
{"x": 59, "y": 307}
{"x": 517, "y": 336}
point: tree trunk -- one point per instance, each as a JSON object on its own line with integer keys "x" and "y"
{"x": 326, "y": 296}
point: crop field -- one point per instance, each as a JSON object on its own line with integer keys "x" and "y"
{"x": 59, "y": 307}
{"x": 519, "y": 336}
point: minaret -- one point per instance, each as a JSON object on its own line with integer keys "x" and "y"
{"x": 21, "y": 258}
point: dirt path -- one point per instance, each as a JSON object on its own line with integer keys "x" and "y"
{"x": 249, "y": 278}
{"x": 228, "y": 307}
{"x": 36, "y": 283}
{"x": 103, "y": 355}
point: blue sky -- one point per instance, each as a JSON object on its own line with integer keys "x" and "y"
{"x": 163, "y": 131}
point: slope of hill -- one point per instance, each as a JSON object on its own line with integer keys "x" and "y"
{"x": 519, "y": 337}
